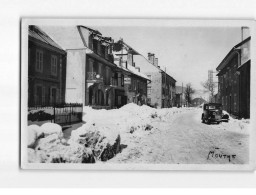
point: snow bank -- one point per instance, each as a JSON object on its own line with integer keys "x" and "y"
{"x": 99, "y": 139}
{"x": 103, "y": 140}
{"x": 51, "y": 128}
{"x": 130, "y": 117}
{"x": 87, "y": 144}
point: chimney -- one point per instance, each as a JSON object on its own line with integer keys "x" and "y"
{"x": 156, "y": 62}
{"x": 151, "y": 58}
{"x": 245, "y": 32}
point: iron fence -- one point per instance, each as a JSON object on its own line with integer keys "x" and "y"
{"x": 62, "y": 114}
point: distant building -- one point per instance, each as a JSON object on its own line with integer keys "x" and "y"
{"x": 234, "y": 80}
{"x": 161, "y": 89}
{"x": 197, "y": 102}
{"x": 180, "y": 96}
{"x": 46, "y": 69}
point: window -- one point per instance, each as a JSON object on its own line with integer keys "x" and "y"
{"x": 122, "y": 80}
{"x": 107, "y": 76}
{"x": 149, "y": 90}
{"x": 135, "y": 84}
{"x": 106, "y": 52}
{"x": 39, "y": 61}
{"x": 100, "y": 69}
{"x": 95, "y": 45}
{"x": 103, "y": 49}
{"x": 90, "y": 68}
{"x": 99, "y": 48}
{"x": 54, "y": 65}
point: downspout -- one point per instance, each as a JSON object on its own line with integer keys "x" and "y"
{"x": 236, "y": 50}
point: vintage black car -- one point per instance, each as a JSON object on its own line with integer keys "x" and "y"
{"x": 212, "y": 112}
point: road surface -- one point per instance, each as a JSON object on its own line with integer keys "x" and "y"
{"x": 185, "y": 140}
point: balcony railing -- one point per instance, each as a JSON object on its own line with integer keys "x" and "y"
{"x": 93, "y": 76}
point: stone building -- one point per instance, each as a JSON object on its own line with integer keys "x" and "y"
{"x": 234, "y": 80}
{"x": 46, "y": 69}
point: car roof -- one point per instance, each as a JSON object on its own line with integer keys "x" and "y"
{"x": 213, "y": 104}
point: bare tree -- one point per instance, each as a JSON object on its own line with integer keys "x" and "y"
{"x": 188, "y": 93}
{"x": 209, "y": 87}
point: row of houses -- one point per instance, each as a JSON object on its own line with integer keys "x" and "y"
{"x": 79, "y": 65}
{"x": 234, "y": 80}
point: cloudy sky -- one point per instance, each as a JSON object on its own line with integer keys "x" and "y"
{"x": 187, "y": 53}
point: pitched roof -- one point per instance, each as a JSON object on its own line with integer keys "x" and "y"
{"x": 37, "y": 33}
{"x": 223, "y": 62}
{"x": 67, "y": 36}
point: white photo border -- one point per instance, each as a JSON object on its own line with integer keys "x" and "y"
{"x": 25, "y": 22}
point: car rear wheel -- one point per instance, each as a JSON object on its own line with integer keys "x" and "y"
{"x": 207, "y": 121}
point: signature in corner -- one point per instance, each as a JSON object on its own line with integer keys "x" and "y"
{"x": 215, "y": 153}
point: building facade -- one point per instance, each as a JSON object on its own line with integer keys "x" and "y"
{"x": 135, "y": 83}
{"x": 161, "y": 90}
{"x": 46, "y": 69}
{"x": 180, "y": 96}
{"x": 234, "y": 80}
{"x": 93, "y": 78}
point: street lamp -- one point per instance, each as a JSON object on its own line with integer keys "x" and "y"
{"x": 97, "y": 76}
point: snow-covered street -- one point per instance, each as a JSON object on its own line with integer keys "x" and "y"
{"x": 185, "y": 139}
{"x": 141, "y": 134}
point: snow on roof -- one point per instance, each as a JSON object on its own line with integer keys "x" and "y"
{"x": 67, "y": 36}
{"x": 144, "y": 64}
{"x": 130, "y": 68}
{"x": 136, "y": 72}
{"x": 39, "y": 34}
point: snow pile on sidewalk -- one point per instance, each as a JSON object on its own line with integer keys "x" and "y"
{"x": 129, "y": 116}
{"x": 234, "y": 125}
{"x": 86, "y": 145}
{"x": 99, "y": 139}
